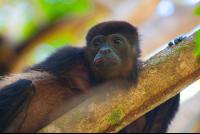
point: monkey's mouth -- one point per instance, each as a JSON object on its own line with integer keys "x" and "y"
{"x": 105, "y": 59}
{"x": 106, "y": 64}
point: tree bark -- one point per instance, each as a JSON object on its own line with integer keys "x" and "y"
{"x": 162, "y": 76}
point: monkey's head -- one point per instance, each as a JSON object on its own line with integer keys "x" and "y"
{"x": 113, "y": 49}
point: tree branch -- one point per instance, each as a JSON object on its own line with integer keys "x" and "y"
{"x": 162, "y": 76}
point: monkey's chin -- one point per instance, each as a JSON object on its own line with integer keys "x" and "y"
{"x": 106, "y": 65}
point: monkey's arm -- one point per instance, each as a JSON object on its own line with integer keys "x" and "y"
{"x": 14, "y": 100}
{"x": 155, "y": 121}
{"x": 159, "y": 118}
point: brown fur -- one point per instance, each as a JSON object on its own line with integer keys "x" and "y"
{"x": 53, "y": 96}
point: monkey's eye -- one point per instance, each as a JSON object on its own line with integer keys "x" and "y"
{"x": 97, "y": 43}
{"x": 117, "y": 41}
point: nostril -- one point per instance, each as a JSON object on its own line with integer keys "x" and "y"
{"x": 105, "y": 51}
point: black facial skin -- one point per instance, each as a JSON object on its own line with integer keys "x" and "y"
{"x": 121, "y": 60}
{"x": 109, "y": 52}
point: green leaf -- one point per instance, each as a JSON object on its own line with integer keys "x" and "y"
{"x": 197, "y": 44}
{"x": 197, "y": 10}
{"x": 30, "y": 29}
{"x": 55, "y": 9}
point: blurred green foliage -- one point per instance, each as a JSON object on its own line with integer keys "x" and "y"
{"x": 53, "y": 10}
{"x": 30, "y": 29}
{"x": 197, "y": 10}
{"x": 56, "y": 9}
{"x": 197, "y": 44}
{"x": 197, "y": 41}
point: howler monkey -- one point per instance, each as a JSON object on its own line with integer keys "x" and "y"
{"x": 35, "y": 97}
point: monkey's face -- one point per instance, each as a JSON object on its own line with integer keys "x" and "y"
{"x": 109, "y": 52}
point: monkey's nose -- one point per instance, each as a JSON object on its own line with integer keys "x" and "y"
{"x": 105, "y": 51}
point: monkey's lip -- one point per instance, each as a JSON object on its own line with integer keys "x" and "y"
{"x": 105, "y": 59}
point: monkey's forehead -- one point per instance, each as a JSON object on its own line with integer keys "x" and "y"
{"x": 113, "y": 27}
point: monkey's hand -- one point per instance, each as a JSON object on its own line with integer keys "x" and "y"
{"x": 177, "y": 40}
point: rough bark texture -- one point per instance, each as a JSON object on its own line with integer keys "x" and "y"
{"x": 162, "y": 76}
